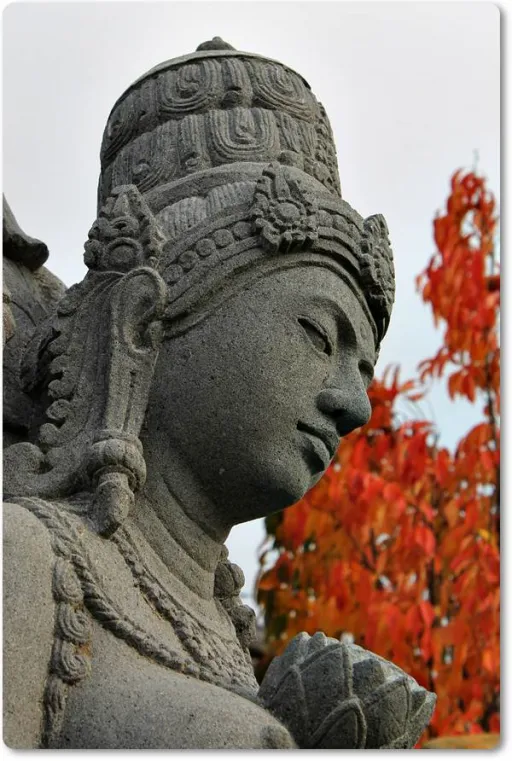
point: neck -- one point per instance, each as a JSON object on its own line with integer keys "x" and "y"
{"x": 176, "y": 519}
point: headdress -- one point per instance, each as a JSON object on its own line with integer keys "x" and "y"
{"x": 235, "y": 159}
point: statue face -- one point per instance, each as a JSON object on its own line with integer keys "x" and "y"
{"x": 255, "y": 398}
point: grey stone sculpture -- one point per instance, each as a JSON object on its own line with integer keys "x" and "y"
{"x": 201, "y": 375}
{"x": 30, "y": 293}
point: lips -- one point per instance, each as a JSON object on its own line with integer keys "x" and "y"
{"x": 324, "y": 440}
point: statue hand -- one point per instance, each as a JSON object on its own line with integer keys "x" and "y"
{"x": 334, "y": 695}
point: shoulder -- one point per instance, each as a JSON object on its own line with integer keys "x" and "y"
{"x": 28, "y": 615}
{"x": 20, "y": 522}
{"x": 27, "y": 551}
{"x": 27, "y": 548}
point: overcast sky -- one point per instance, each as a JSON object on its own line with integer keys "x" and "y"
{"x": 411, "y": 89}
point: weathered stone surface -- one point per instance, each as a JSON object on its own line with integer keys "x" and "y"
{"x": 333, "y": 694}
{"x": 19, "y": 246}
{"x": 30, "y": 293}
{"x": 213, "y": 108}
{"x": 201, "y": 375}
{"x": 27, "y": 601}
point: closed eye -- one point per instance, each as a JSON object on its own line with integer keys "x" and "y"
{"x": 317, "y": 335}
{"x": 367, "y": 371}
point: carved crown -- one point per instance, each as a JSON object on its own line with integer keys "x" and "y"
{"x": 230, "y": 148}
{"x": 214, "y": 107}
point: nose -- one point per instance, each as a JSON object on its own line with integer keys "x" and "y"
{"x": 348, "y": 407}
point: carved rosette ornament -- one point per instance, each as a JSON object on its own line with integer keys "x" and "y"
{"x": 283, "y": 213}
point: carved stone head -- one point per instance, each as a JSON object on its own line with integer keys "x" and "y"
{"x": 222, "y": 247}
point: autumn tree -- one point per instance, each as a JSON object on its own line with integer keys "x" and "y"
{"x": 397, "y": 546}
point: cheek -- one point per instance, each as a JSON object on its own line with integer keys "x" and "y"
{"x": 286, "y": 367}
{"x": 242, "y": 375}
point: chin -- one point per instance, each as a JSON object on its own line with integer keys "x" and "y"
{"x": 277, "y": 483}
{"x": 286, "y": 487}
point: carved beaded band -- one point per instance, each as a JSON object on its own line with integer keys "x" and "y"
{"x": 286, "y": 215}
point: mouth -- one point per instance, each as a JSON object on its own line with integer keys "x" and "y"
{"x": 323, "y": 443}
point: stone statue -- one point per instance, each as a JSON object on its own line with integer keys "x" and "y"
{"x": 201, "y": 375}
{"x": 30, "y": 293}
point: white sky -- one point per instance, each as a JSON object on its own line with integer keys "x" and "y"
{"x": 411, "y": 89}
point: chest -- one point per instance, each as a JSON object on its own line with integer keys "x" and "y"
{"x": 131, "y": 702}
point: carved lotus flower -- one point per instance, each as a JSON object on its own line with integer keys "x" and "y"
{"x": 334, "y": 695}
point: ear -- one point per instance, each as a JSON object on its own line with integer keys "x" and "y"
{"x": 137, "y": 306}
{"x": 115, "y": 463}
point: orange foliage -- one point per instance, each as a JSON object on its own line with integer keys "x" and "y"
{"x": 398, "y": 544}
{"x": 484, "y": 741}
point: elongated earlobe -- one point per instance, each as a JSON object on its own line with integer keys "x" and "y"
{"x": 115, "y": 462}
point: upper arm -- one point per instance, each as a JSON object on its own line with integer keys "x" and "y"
{"x": 28, "y": 615}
